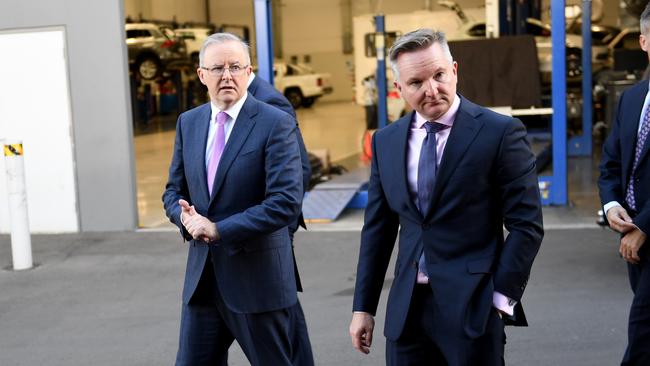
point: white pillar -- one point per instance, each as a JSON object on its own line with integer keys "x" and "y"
{"x": 21, "y": 243}
{"x": 492, "y": 18}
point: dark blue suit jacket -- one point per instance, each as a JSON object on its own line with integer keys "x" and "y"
{"x": 257, "y": 193}
{"x": 618, "y": 157}
{"x": 265, "y": 92}
{"x": 486, "y": 180}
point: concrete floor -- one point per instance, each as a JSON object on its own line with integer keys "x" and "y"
{"x": 114, "y": 299}
{"x": 337, "y": 127}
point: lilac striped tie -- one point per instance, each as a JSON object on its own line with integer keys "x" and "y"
{"x": 217, "y": 148}
{"x": 640, "y": 142}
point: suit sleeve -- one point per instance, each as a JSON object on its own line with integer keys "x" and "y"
{"x": 521, "y": 210}
{"x": 610, "y": 183}
{"x": 377, "y": 241}
{"x": 283, "y": 188}
{"x": 176, "y": 187}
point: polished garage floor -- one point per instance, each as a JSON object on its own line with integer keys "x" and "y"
{"x": 337, "y": 127}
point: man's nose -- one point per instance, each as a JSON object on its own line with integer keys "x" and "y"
{"x": 226, "y": 74}
{"x": 431, "y": 87}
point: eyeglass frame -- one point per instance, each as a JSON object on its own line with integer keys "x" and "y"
{"x": 214, "y": 71}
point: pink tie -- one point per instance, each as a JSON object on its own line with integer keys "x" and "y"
{"x": 217, "y": 148}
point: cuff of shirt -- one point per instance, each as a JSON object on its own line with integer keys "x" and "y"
{"x": 609, "y": 205}
{"x": 503, "y": 303}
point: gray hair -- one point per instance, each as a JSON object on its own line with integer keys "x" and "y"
{"x": 645, "y": 20}
{"x": 417, "y": 40}
{"x": 220, "y": 38}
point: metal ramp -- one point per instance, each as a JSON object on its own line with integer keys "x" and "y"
{"x": 326, "y": 201}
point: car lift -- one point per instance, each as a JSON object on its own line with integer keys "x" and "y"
{"x": 326, "y": 201}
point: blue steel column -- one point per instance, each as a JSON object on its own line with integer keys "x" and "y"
{"x": 264, "y": 39}
{"x": 586, "y": 78}
{"x": 380, "y": 42}
{"x": 558, "y": 189}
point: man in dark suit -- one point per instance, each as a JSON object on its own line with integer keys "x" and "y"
{"x": 301, "y": 346}
{"x": 449, "y": 176}
{"x": 235, "y": 185}
{"x": 624, "y": 185}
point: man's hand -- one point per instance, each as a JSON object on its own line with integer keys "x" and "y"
{"x": 619, "y": 220}
{"x": 186, "y": 210}
{"x": 361, "y": 328}
{"x": 198, "y": 226}
{"x": 630, "y": 245}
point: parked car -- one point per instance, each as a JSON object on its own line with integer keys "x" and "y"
{"x": 300, "y": 85}
{"x": 152, "y": 50}
{"x": 194, "y": 38}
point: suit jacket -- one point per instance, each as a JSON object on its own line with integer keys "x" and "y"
{"x": 265, "y": 92}
{"x": 257, "y": 192}
{"x": 486, "y": 179}
{"x": 618, "y": 157}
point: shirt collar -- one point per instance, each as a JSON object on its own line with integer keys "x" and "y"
{"x": 250, "y": 79}
{"x": 232, "y": 112}
{"x": 446, "y": 119}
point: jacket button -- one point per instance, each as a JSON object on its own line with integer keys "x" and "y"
{"x": 415, "y": 264}
{"x": 426, "y": 226}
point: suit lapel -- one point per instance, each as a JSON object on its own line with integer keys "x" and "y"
{"x": 629, "y": 134}
{"x": 201, "y": 130}
{"x": 646, "y": 146}
{"x": 462, "y": 134}
{"x": 240, "y": 131}
{"x": 402, "y": 146}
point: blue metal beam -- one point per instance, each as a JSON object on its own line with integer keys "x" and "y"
{"x": 264, "y": 39}
{"x": 380, "y": 44}
{"x": 558, "y": 187}
{"x": 581, "y": 145}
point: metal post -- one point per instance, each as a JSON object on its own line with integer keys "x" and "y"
{"x": 558, "y": 187}
{"x": 380, "y": 45}
{"x": 21, "y": 243}
{"x": 264, "y": 40}
{"x": 586, "y": 78}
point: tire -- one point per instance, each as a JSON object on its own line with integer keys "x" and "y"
{"x": 148, "y": 67}
{"x": 308, "y": 102}
{"x": 295, "y": 97}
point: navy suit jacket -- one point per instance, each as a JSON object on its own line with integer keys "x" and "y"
{"x": 486, "y": 180}
{"x": 618, "y": 157}
{"x": 265, "y": 92}
{"x": 257, "y": 193}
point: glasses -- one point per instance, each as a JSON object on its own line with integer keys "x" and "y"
{"x": 235, "y": 70}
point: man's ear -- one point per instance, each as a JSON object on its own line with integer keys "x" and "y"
{"x": 643, "y": 41}
{"x": 199, "y": 72}
{"x": 397, "y": 86}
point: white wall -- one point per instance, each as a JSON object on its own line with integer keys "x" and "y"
{"x": 35, "y": 108}
{"x": 102, "y": 136}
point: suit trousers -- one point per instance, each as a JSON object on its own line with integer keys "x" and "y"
{"x": 638, "y": 347}
{"x": 208, "y": 329}
{"x": 421, "y": 341}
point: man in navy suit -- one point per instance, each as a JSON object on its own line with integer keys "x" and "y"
{"x": 448, "y": 176}
{"x": 235, "y": 185}
{"x": 624, "y": 185}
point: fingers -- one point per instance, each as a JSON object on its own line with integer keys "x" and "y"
{"x": 629, "y": 248}
{"x": 185, "y": 206}
{"x": 361, "y": 328}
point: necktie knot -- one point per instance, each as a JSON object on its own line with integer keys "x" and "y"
{"x": 221, "y": 118}
{"x": 434, "y": 127}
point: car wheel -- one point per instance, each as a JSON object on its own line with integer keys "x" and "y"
{"x": 295, "y": 97}
{"x": 308, "y": 102}
{"x": 148, "y": 68}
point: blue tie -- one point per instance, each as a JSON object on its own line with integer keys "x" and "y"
{"x": 427, "y": 169}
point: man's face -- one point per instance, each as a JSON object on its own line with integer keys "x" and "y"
{"x": 427, "y": 81}
{"x": 225, "y": 89}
